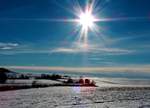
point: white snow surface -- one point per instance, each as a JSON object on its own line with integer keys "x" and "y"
{"x": 78, "y": 97}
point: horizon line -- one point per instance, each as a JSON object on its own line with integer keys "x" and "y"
{"x": 137, "y": 68}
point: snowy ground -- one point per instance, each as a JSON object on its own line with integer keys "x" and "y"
{"x": 114, "y": 96}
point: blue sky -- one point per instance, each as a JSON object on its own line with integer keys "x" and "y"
{"x": 30, "y": 34}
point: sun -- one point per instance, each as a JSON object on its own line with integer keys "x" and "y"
{"x": 86, "y": 19}
{"x": 87, "y": 22}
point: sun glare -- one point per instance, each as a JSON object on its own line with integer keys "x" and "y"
{"x": 86, "y": 20}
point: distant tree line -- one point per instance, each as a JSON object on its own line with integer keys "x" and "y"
{"x": 46, "y": 76}
{"x": 7, "y": 74}
{"x": 20, "y": 76}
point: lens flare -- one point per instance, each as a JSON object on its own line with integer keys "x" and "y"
{"x": 86, "y": 20}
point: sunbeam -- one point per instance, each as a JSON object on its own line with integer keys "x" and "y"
{"x": 86, "y": 20}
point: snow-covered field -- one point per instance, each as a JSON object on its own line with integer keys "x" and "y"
{"x": 78, "y": 97}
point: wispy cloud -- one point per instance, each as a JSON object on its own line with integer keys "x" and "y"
{"x": 65, "y": 50}
{"x": 75, "y": 48}
{"x": 62, "y": 50}
{"x": 115, "y": 50}
{"x": 16, "y": 48}
{"x": 8, "y": 46}
{"x": 33, "y": 51}
{"x": 135, "y": 68}
{"x": 91, "y": 49}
